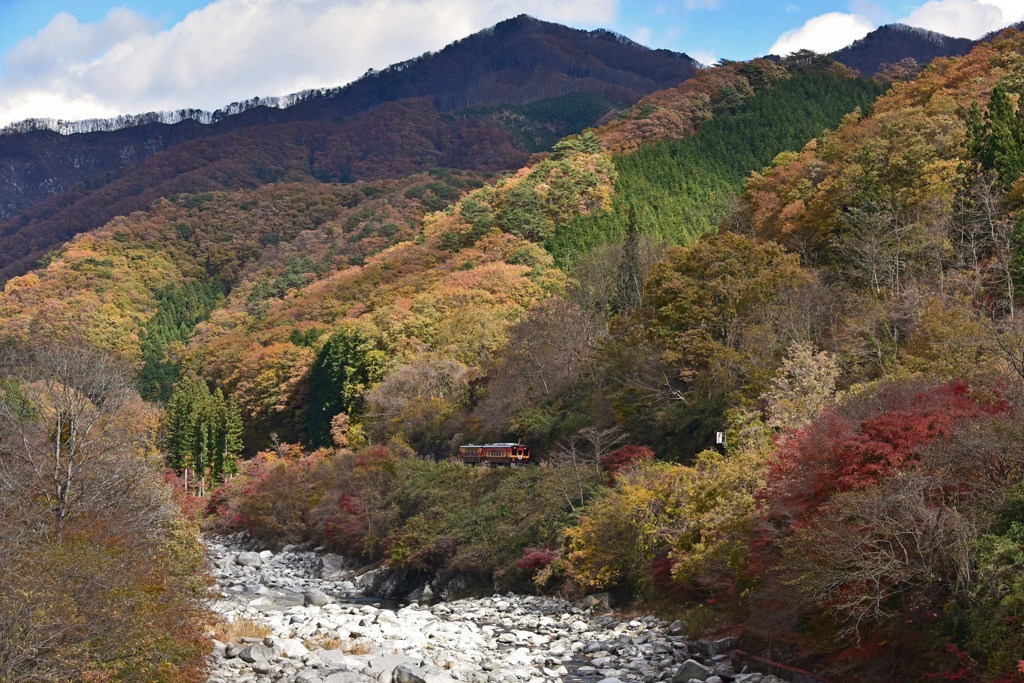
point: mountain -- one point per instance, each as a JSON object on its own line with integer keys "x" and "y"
{"x": 851, "y": 325}
{"x": 895, "y": 42}
{"x": 516, "y": 62}
{"x": 295, "y": 260}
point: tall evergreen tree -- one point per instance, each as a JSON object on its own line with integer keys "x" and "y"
{"x": 345, "y": 368}
{"x": 203, "y": 430}
{"x": 630, "y": 276}
{"x": 996, "y": 141}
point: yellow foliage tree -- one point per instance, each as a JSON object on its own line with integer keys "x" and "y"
{"x": 624, "y": 530}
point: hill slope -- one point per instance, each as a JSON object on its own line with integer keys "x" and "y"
{"x": 325, "y": 134}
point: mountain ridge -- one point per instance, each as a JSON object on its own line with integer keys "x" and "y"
{"x": 892, "y": 43}
{"x": 45, "y": 176}
{"x": 850, "y": 55}
{"x": 288, "y": 101}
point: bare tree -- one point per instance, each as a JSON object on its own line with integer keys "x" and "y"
{"x": 550, "y": 353}
{"x": 982, "y": 236}
{"x": 582, "y": 453}
{"x": 437, "y": 382}
{"x": 95, "y": 559}
{"x": 878, "y": 551}
{"x": 69, "y": 416}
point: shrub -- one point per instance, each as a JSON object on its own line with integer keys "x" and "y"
{"x": 873, "y": 437}
{"x": 534, "y": 559}
{"x": 891, "y": 521}
{"x": 272, "y": 497}
{"x": 622, "y": 531}
{"x": 718, "y": 511}
{"x": 624, "y": 458}
{"x": 382, "y": 502}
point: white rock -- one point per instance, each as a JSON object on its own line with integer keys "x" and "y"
{"x": 292, "y": 648}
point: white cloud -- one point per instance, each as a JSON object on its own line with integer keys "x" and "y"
{"x": 825, "y": 33}
{"x": 871, "y": 10}
{"x": 65, "y": 39}
{"x": 700, "y": 4}
{"x": 705, "y": 57}
{"x": 235, "y": 49}
{"x": 966, "y": 18}
{"x": 643, "y": 35}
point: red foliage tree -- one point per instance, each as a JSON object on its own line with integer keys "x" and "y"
{"x": 868, "y": 442}
{"x": 345, "y": 529}
{"x": 535, "y": 559}
{"x": 624, "y": 458}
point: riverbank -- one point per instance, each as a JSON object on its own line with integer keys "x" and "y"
{"x": 309, "y": 623}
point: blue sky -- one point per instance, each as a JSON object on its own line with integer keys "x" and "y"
{"x": 89, "y": 58}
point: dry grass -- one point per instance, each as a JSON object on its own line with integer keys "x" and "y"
{"x": 352, "y": 647}
{"x": 361, "y": 647}
{"x": 322, "y": 642}
{"x": 243, "y": 627}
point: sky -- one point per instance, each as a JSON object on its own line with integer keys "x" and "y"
{"x": 77, "y": 59}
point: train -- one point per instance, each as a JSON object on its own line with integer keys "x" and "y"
{"x": 495, "y": 454}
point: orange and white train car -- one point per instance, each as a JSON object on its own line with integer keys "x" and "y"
{"x": 495, "y": 454}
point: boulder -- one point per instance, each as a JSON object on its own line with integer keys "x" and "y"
{"x": 263, "y": 667}
{"x": 332, "y": 567}
{"x": 249, "y": 560}
{"x": 405, "y": 673}
{"x": 278, "y": 600}
{"x": 599, "y": 601}
{"x": 367, "y": 580}
{"x": 292, "y": 648}
{"x": 347, "y": 677}
{"x": 258, "y": 652}
{"x": 691, "y": 669}
{"x": 453, "y": 588}
{"x": 317, "y": 598}
{"x": 338, "y": 659}
{"x": 386, "y": 616}
{"x": 717, "y": 647}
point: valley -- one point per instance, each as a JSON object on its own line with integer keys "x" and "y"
{"x": 758, "y": 323}
{"x": 320, "y": 627}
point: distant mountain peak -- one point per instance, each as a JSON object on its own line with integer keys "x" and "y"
{"x": 521, "y": 24}
{"x": 939, "y": 39}
{"x": 892, "y": 43}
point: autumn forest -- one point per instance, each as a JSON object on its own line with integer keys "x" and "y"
{"x": 824, "y": 266}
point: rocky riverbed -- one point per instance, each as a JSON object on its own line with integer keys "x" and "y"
{"x": 308, "y": 622}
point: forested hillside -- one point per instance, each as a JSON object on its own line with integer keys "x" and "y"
{"x": 483, "y": 103}
{"x": 682, "y": 187}
{"x": 282, "y": 256}
{"x": 851, "y": 327}
{"x": 776, "y": 251}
